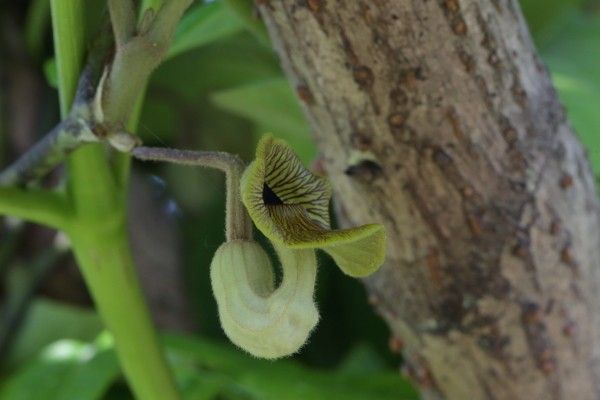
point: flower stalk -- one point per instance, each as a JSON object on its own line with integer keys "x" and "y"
{"x": 238, "y": 225}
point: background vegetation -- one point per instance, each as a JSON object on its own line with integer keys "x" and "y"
{"x": 220, "y": 89}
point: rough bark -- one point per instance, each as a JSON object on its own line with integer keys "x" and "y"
{"x": 437, "y": 118}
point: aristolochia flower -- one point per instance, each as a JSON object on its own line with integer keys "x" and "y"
{"x": 290, "y": 206}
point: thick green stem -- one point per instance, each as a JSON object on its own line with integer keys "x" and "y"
{"x": 99, "y": 237}
{"x": 108, "y": 269}
{"x": 135, "y": 59}
{"x": 137, "y": 56}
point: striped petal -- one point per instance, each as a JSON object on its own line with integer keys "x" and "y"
{"x": 290, "y": 206}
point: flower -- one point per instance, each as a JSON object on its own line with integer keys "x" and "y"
{"x": 290, "y": 206}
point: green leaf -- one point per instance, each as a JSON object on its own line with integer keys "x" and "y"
{"x": 48, "y": 321}
{"x": 245, "y": 10}
{"x": 204, "y": 369}
{"x": 267, "y": 380}
{"x": 226, "y": 63}
{"x": 271, "y": 104}
{"x": 202, "y": 384}
{"x": 546, "y": 16}
{"x": 37, "y": 22}
{"x": 362, "y": 358}
{"x": 66, "y": 370}
{"x": 574, "y": 60}
{"x": 203, "y": 24}
{"x": 50, "y": 72}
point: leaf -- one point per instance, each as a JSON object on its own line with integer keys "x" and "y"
{"x": 245, "y": 10}
{"x": 178, "y": 102}
{"x": 204, "y": 384}
{"x": 267, "y": 380}
{"x": 48, "y": 321}
{"x": 204, "y": 24}
{"x": 97, "y": 368}
{"x": 204, "y": 369}
{"x": 272, "y": 104}
{"x": 227, "y": 63}
{"x": 270, "y": 101}
{"x": 546, "y": 16}
{"x": 66, "y": 370}
{"x": 50, "y": 72}
{"x": 362, "y": 358}
{"x": 574, "y": 60}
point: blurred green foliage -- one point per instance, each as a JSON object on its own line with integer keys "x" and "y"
{"x": 567, "y": 33}
{"x": 47, "y": 322}
{"x": 574, "y": 60}
{"x": 221, "y": 89}
{"x": 74, "y": 370}
{"x": 66, "y": 370}
{"x": 545, "y": 17}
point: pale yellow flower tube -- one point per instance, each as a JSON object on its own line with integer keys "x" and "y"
{"x": 262, "y": 320}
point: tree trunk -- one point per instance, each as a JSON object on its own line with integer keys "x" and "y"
{"x": 437, "y": 118}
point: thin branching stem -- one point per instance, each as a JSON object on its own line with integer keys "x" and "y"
{"x": 238, "y": 223}
{"x": 137, "y": 54}
{"x": 46, "y": 154}
{"x": 35, "y": 205}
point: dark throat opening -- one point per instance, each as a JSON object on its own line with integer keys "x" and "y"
{"x": 269, "y": 196}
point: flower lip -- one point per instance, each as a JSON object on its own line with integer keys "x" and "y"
{"x": 276, "y": 184}
{"x": 287, "y": 182}
{"x": 290, "y": 206}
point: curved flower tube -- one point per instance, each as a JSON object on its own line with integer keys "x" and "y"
{"x": 290, "y": 206}
{"x": 264, "y": 321}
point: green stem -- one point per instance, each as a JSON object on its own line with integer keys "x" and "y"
{"x": 49, "y": 152}
{"x": 146, "y": 4}
{"x": 67, "y": 29}
{"x": 122, "y": 163}
{"x": 108, "y": 269}
{"x": 35, "y": 205}
{"x": 122, "y": 159}
{"x": 133, "y": 64}
{"x": 99, "y": 237}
